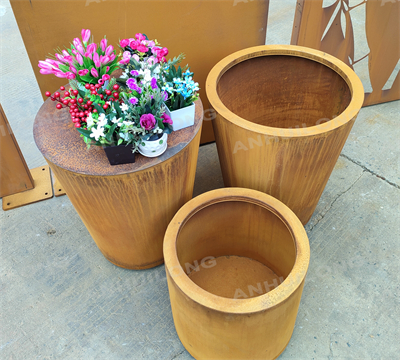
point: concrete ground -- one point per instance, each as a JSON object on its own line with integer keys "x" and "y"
{"x": 61, "y": 299}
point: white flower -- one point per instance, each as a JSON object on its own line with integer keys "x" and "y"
{"x": 101, "y": 121}
{"x": 89, "y": 120}
{"x": 124, "y": 74}
{"x": 128, "y": 122}
{"x": 146, "y": 75}
{"x": 124, "y": 107}
{"x": 97, "y": 132}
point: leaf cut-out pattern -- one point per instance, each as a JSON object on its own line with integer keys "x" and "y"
{"x": 327, "y": 26}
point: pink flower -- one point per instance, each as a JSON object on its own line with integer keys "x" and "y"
{"x": 136, "y": 57}
{"x": 96, "y": 59}
{"x": 126, "y": 55}
{"x": 107, "y": 69}
{"x": 104, "y": 59}
{"x": 140, "y": 37}
{"x": 134, "y": 44}
{"x": 112, "y": 57}
{"x": 45, "y": 65}
{"x": 164, "y": 51}
{"x": 77, "y": 42}
{"x": 147, "y": 121}
{"x": 60, "y": 74}
{"x": 73, "y": 69}
{"x": 91, "y": 48}
{"x": 46, "y": 71}
{"x": 81, "y": 49}
{"x": 109, "y": 50}
{"x": 142, "y": 48}
{"x": 100, "y": 81}
{"x": 79, "y": 59}
{"x": 85, "y": 35}
{"x": 69, "y": 75}
{"x": 166, "y": 119}
{"x": 94, "y": 72}
{"x": 106, "y": 77}
{"x": 60, "y": 58}
{"x": 124, "y": 42}
{"x": 151, "y": 60}
{"x": 103, "y": 44}
{"x": 124, "y": 61}
{"x": 83, "y": 72}
{"x": 150, "y": 43}
{"x": 65, "y": 52}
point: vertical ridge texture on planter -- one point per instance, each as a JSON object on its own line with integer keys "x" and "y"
{"x": 256, "y": 321}
{"x": 283, "y": 114}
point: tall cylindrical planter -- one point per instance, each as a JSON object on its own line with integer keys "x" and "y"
{"x": 282, "y": 116}
{"x": 236, "y": 261}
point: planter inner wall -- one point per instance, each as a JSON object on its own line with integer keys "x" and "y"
{"x": 251, "y": 244}
{"x": 283, "y": 91}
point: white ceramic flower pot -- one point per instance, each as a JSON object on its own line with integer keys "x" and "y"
{"x": 182, "y": 118}
{"x": 154, "y": 148}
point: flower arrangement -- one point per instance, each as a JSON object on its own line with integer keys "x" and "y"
{"x": 138, "y": 116}
{"x": 132, "y": 110}
{"x": 181, "y": 89}
{"x": 84, "y": 61}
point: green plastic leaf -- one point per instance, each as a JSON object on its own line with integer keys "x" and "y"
{"x": 117, "y": 108}
{"x": 99, "y": 109}
{"x": 85, "y": 133}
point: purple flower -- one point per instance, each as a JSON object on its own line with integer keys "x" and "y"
{"x": 133, "y": 100}
{"x": 147, "y": 121}
{"x": 166, "y": 119}
{"x": 165, "y": 95}
{"x": 131, "y": 83}
{"x": 135, "y": 73}
{"x": 153, "y": 83}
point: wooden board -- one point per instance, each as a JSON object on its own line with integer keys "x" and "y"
{"x": 330, "y": 29}
{"x": 206, "y": 31}
{"x": 14, "y": 173}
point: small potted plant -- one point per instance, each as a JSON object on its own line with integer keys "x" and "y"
{"x": 181, "y": 92}
{"x": 96, "y": 113}
{"x": 144, "y": 106}
{"x": 84, "y": 61}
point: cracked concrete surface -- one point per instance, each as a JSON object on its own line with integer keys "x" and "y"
{"x": 61, "y": 299}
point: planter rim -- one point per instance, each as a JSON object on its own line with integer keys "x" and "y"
{"x": 237, "y": 306}
{"x": 348, "y": 75}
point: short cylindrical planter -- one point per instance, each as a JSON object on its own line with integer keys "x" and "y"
{"x": 283, "y": 114}
{"x": 236, "y": 261}
{"x": 125, "y": 208}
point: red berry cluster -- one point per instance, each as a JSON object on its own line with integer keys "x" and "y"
{"x": 79, "y": 107}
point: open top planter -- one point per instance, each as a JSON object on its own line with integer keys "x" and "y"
{"x": 283, "y": 114}
{"x": 236, "y": 260}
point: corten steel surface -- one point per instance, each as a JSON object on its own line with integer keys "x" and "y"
{"x": 283, "y": 114}
{"x": 42, "y": 190}
{"x": 330, "y": 29}
{"x": 126, "y": 208}
{"x": 239, "y": 222}
{"x": 14, "y": 173}
{"x": 206, "y": 31}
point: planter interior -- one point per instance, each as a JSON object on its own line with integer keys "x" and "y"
{"x": 236, "y": 249}
{"x": 283, "y": 91}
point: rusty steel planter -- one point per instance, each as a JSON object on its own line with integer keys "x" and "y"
{"x": 235, "y": 222}
{"x": 283, "y": 114}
